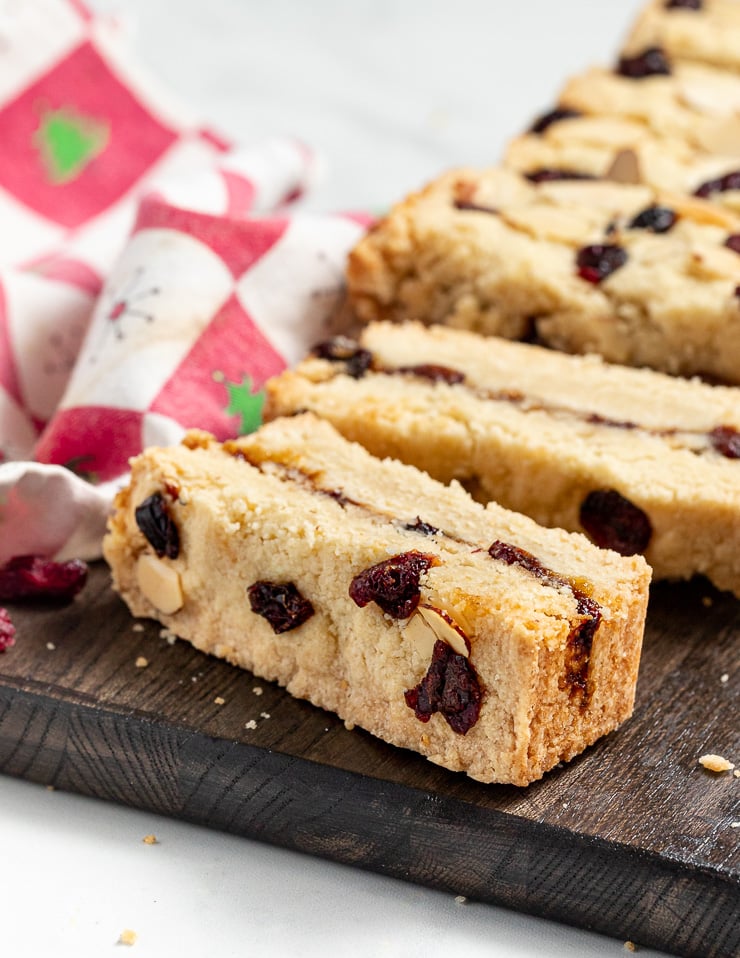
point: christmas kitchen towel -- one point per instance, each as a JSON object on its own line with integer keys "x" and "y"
{"x": 152, "y": 276}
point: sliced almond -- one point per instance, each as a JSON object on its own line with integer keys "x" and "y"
{"x": 159, "y": 583}
{"x": 625, "y": 168}
{"x": 721, "y": 136}
{"x": 699, "y": 210}
{"x": 445, "y": 628}
{"x": 713, "y": 262}
{"x": 421, "y": 635}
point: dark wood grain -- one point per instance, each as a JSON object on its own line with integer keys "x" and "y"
{"x": 633, "y": 839}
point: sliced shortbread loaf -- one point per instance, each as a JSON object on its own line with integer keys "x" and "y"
{"x": 577, "y": 263}
{"x": 470, "y": 634}
{"x": 639, "y": 460}
{"x": 707, "y": 31}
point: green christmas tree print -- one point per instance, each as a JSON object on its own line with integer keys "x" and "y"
{"x": 68, "y": 141}
{"x": 246, "y": 404}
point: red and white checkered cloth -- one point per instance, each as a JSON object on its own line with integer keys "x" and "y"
{"x": 152, "y": 277}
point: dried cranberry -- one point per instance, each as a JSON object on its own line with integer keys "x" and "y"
{"x": 684, "y": 4}
{"x": 154, "y": 520}
{"x": 437, "y": 374}
{"x": 650, "y": 62}
{"x": 30, "y": 577}
{"x": 450, "y": 687}
{"x": 550, "y": 174}
{"x": 392, "y": 584}
{"x": 730, "y": 181}
{"x": 7, "y": 631}
{"x": 469, "y": 206}
{"x": 422, "y": 527}
{"x": 545, "y": 121}
{"x": 281, "y": 604}
{"x": 733, "y": 242}
{"x": 597, "y": 262}
{"x": 726, "y": 440}
{"x": 356, "y": 360}
{"x": 580, "y": 642}
{"x": 656, "y": 219}
{"x": 614, "y": 522}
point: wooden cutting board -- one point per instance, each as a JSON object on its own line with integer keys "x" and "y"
{"x": 633, "y": 839}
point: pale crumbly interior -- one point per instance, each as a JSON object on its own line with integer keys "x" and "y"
{"x": 490, "y": 252}
{"x": 544, "y": 453}
{"x": 279, "y": 517}
{"x": 710, "y": 35}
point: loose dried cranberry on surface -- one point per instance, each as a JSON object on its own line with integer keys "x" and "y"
{"x": 651, "y": 62}
{"x": 550, "y": 175}
{"x": 614, "y": 522}
{"x": 7, "y": 631}
{"x": 733, "y": 242}
{"x": 684, "y": 4}
{"x": 158, "y": 526}
{"x": 726, "y": 440}
{"x": 281, "y": 604}
{"x": 545, "y": 121}
{"x": 422, "y": 527}
{"x": 31, "y": 577}
{"x": 657, "y": 219}
{"x": 451, "y": 687}
{"x": 392, "y": 584}
{"x": 437, "y": 374}
{"x": 730, "y": 181}
{"x": 597, "y": 262}
{"x": 343, "y": 350}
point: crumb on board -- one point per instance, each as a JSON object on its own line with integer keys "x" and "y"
{"x": 264, "y": 715}
{"x": 724, "y": 678}
{"x": 50, "y": 646}
{"x": 707, "y": 601}
{"x": 258, "y": 690}
{"x": 715, "y": 763}
{"x": 734, "y": 824}
{"x": 137, "y": 627}
{"x": 736, "y": 773}
{"x": 251, "y": 724}
{"x": 150, "y": 840}
{"x": 630, "y": 946}
{"x": 169, "y": 635}
{"x": 219, "y": 700}
{"x": 127, "y": 937}
{"x": 141, "y": 662}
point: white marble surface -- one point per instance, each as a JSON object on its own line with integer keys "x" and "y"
{"x": 391, "y": 93}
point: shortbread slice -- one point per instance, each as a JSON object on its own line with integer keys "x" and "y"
{"x": 626, "y": 151}
{"x": 577, "y": 264}
{"x": 473, "y": 636}
{"x": 706, "y": 31}
{"x": 640, "y": 461}
{"x": 695, "y": 104}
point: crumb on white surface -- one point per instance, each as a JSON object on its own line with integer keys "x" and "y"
{"x": 141, "y": 662}
{"x": 150, "y": 840}
{"x": 630, "y": 946}
{"x": 127, "y": 937}
{"x": 251, "y": 724}
{"x": 460, "y": 899}
{"x": 716, "y": 763}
